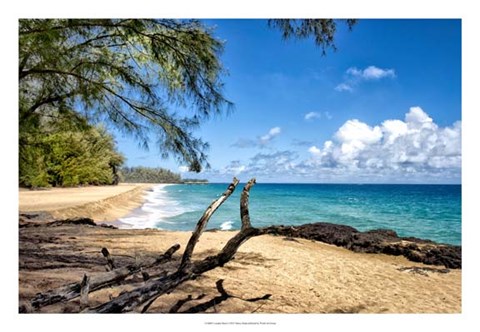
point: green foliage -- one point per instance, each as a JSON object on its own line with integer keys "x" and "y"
{"x": 149, "y": 175}
{"x": 195, "y": 181}
{"x": 322, "y": 30}
{"x": 56, "y": 157}
{"x": 124, "y": 72}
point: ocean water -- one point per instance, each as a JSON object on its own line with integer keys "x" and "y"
{"x": 425, "y": 211}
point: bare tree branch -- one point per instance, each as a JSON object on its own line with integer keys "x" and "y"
{"x": 202, "y": 223}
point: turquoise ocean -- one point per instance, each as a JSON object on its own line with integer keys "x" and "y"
{"x": 425, "y": 211}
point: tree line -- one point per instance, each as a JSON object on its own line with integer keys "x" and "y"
{"x": 142, "y": 174}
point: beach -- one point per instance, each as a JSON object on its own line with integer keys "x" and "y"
{"x": 101, "y": 203}
{"x": 302, "y": 276}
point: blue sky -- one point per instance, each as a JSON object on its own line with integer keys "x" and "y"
{"x": 384, "y": 108}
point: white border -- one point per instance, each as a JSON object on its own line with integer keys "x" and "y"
{"x": 242, "y": 9}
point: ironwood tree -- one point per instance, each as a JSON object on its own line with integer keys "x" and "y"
{"x": 153, "y": 79}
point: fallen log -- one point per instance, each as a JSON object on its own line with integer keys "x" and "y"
{"x": 73, "y": 290}
{"x": 129, "y": 301}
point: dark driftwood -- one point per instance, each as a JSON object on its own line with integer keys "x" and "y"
{"x": 97, "y": 282}
{"x": 128, "y": 301}
{"x": 110, "y": 264}
{"x": 244, "y": 214}
{"x": 159, "y": 285}
{"x": 84, "y": 290}
{"x": 202, "y": 223}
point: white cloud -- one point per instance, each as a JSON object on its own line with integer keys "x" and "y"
{"x": 355, "y": 76}
{"x": 275, "y": 131}
{"x": 234, "y": 168}
{"x": 272, "y": 133}
{"x": 343, "y": 87}
{"x": 314, "y": 150}
{"x": 371, "y": 73}
{"x": 416, "y": 145}
{"x": 237, "y": 170}
{"x": 410, "y": 150}
{"x": 354, "y": 130}
{"x": 261, "y": 141}
{"x": 312, "y": 115}
{"x": 183, "y": 169}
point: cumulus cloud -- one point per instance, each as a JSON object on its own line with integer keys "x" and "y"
{"x": 355, "y": 76}
{"x": 415, "y": 145}
{"x": 410, "y": 150}
{"x": 261, "y": 141}
{"x": 314, "y": 150}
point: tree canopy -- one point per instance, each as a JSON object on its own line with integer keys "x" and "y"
{"x": 58, "y": 154}
{"x": 126, "y": 73}
{"x": 321, "y": 30}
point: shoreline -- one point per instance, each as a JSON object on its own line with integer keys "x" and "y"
{"x": 115, "y": 206}
{"x": 103, "y": 204}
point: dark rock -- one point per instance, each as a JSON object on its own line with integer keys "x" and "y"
{"x": 108, "y": 226}
{"x": 34, "y": 217}
{"x": 378, "y": 241}
{"x": 72, "y": 221}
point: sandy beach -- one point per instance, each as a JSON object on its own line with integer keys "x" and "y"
{"x": 302, "y": 276}
{"x": 101, "y": 203}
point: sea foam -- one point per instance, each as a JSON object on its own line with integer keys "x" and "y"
{"x": 156, "y": 209}
{"x": 227, "y": 225}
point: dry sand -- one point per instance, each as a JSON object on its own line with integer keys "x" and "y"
{"x": 101, "y": 203}
{"x": 302, "y": 276}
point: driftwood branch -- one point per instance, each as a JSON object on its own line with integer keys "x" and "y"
{"x": 202, "y": 223}
{"x": 97, "y": 282}
{"x": 158, "y": 285}
{"x": 110, "y": 263}
{"x": 84, "y": 290}
{"x": 128, "y": 301}
{"x": 244, "y": 214}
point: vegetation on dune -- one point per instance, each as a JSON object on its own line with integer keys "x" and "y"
{"x": 60, "y": 154}
{"x": 142, "y": 174}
